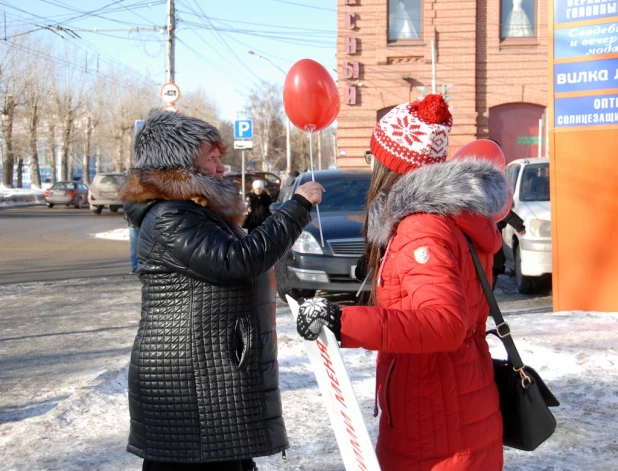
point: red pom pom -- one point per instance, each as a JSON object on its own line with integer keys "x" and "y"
{"x": 433, "y": 110}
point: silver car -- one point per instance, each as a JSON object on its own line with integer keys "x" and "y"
{"x": 104, "y": 191}
{"x": 66, "y": 193}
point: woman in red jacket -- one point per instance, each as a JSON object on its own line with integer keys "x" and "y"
{"x": 427, "y": 313}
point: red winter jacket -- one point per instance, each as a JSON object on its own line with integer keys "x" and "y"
{"x": 435, "y": 386}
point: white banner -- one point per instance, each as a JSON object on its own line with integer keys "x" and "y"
{"x": 345, "y": 416}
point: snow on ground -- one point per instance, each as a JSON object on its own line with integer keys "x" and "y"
{"x": 20, "y": 196}
{"x": 116, "y": 234}
{"x": 575, "y": 352}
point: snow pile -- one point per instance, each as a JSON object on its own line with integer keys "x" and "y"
{"x": 575, "y": 352}
{"x": 116, "y": 234}
{"x": 20, "y": 196}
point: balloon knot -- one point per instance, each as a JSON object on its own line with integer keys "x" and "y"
{"x": 432, "y": 109}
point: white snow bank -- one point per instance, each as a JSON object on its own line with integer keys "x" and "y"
{"x": 575, "y": 352}
{"x": 20, "y": 196}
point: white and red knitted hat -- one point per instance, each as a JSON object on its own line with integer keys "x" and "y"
{"x": 413, "y": 134}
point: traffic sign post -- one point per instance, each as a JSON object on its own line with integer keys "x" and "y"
{"x": 171, "y": 108}
{"x": 243, "y": 129}
{"x": 170, "y": 93}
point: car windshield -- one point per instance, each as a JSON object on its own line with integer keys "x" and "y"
{"x": 64, "y": 186}
{"x": 112, "y": 180}
{"x": 535, "y": 183}
{"x": 347, "y": 193}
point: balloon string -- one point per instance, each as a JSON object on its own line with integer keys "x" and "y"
{"x": 317, "y": 206}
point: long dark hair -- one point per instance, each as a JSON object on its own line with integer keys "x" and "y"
{"x": 382, "y": 181}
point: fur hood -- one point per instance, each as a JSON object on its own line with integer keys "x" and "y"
{"x": 219, "y": 196}
{"x": 448, "y": 189}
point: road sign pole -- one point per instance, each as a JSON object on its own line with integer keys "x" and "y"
{"x": 242, "y": 188}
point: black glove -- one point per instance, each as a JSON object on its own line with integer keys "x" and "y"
{"x": 360, "y": 272}
{"x": 313, "y": 314}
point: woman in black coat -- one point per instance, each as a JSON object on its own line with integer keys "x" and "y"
{"x": 203, "y": 376}
{"x": 258, "y": 205}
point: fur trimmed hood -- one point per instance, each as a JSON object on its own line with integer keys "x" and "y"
{"x": 220, "y": 196}
{"x": 448, "y": 189}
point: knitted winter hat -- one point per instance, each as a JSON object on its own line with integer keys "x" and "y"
{"x": 413, "y": 134}
{"x": 258, "y": 184}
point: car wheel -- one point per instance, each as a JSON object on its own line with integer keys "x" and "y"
{"x": 78, "y": 205}
{"x": 525, "y": 284}
{"x": 50, "y": 205}
{"x": 97, "y": 209}
{"x": 114, "y": 209}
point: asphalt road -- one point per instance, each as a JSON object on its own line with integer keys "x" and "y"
{"x": 69, "y": 310}
{"x": 42, "y": 244}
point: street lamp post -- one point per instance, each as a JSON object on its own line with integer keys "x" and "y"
{"x": 287, "y": 127}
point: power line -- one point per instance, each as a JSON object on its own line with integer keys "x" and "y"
{"x": 304, "y": 5}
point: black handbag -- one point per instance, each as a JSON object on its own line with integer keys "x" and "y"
{"x": 524, "y": 397}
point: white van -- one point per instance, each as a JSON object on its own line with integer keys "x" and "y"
{"x": 529, "y": 256}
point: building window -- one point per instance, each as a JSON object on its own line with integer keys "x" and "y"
{"x": 518, "y": 18}
{"x": 404, "y": 20}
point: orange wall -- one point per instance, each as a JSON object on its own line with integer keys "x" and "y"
{"x": 585, "y": 220}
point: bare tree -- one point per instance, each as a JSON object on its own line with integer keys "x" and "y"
{"x": 265, "y": 108}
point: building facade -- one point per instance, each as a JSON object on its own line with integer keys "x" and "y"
{"x": 490, "y": 60}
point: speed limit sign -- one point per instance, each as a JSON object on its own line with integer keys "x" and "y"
{"x": 170, "y": 93}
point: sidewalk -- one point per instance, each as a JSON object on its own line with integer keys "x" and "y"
{"x": 82, "y": 422}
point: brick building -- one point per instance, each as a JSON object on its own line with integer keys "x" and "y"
{"x": 491, "y": 60}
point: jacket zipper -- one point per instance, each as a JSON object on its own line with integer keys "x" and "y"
{"x": 383, "y": 262}
{"x": 387, "y": 383}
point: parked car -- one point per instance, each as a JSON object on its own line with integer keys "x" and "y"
{"x": 308, "y": 266}
{"x": 66, "y": 193}
{"x": 104, "y": 192}
{"x": 273, "y": 182}
{"x": 529, "y": 256}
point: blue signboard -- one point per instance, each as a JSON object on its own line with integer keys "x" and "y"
{"x": 567, "y": 11}
{"x": 243, "y": 129}
{"x": 583, "y": 76}
{"x": 586, "y": 111}
{"x": 583, "y": 41}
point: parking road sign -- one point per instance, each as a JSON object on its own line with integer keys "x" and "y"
{"x": 243, "y": 129}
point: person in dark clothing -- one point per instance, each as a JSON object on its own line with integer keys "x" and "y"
{"x": 516, "y": 223}
{"x": 203, "y": 375}
{"x": 258, "y": 205}
{"x": 288, "y": 183}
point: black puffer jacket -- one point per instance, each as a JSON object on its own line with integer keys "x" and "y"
{"x": 203, "y": 377}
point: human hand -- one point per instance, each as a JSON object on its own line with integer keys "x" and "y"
{"x": 315, "y": 313}
{"x": 311, "y": 191}
{"x": 360, "y": 272}
{"x": 522, "y": 233}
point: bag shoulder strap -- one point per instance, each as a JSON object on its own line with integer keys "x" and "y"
{"x": 503, "y": 330}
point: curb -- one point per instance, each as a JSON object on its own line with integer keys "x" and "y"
{"x": 22, "y": 200}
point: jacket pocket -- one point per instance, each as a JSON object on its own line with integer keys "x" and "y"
{"x": 242, "y": 342}
{"x": 387, "y": 384}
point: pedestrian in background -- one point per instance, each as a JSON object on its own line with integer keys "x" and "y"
{"x": 516, "y": 223}
{"x": 133, "y": 236}
{"x": 288, "y": 183}
{"x": 203, "y": 376}
{"x": 258, "y": 203}
{"x": 427, "y": 313}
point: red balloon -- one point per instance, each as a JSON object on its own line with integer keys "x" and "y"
{"x": 310, "y": 96}
{"x": 482, "y": 149}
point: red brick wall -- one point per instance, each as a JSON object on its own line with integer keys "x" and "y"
{"x": 483, "y": 70}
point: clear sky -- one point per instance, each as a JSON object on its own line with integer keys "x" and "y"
{"x": 213, "y": 38}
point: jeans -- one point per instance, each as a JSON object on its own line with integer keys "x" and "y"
{"x": 133, "y": 236}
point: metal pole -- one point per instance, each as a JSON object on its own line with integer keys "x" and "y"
{"x": 171, "y": 41}
{"x": 433, "y": 67}
{"x": 242, "y": 190}
{"x": 288, "y": 148}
